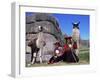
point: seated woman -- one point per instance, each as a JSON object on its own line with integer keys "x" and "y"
{"x": 58, "y": 52}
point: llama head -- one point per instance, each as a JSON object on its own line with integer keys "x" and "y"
{"x": 40, "y": 28}
{"x": 76, "y": 25}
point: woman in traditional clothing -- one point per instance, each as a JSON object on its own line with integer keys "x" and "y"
{"x": 69, "y": 54}
{"x": 58, "y": 52}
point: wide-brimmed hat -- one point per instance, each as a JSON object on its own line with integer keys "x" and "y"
{"x": 67, "y": 38}
{"x": 57, "y": 43}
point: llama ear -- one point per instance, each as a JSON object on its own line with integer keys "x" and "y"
{"x": 78, "y": 22}
{"x": 72, "y": 23}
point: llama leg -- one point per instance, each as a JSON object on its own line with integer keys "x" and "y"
{"x": 40, "y": 55}
{"x": 34, "y": 58}
{"x": 40, "y": 59}
{"x": 77, "y": 52}
{"x": 31, "y": 57}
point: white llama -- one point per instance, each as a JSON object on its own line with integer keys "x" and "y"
{"x": 76, "y": 36}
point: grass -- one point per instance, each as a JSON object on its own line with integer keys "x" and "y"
{"x": 84, "y": 58}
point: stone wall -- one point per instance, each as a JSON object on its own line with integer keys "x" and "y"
{"x": 51, "y": 29}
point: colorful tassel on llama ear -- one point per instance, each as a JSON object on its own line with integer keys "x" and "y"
{"x": 76, "y": 24}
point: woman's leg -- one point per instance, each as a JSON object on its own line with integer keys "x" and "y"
{"x": 59, "y": 58}
{"x": 51, "y": 59}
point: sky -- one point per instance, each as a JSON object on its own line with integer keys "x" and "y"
{"x": 65, "y": 22}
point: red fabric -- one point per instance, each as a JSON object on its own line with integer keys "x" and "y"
{"x": 66, "y": 46}
{"x": 68, "y": 37}
{"x": 74, "y": 46}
